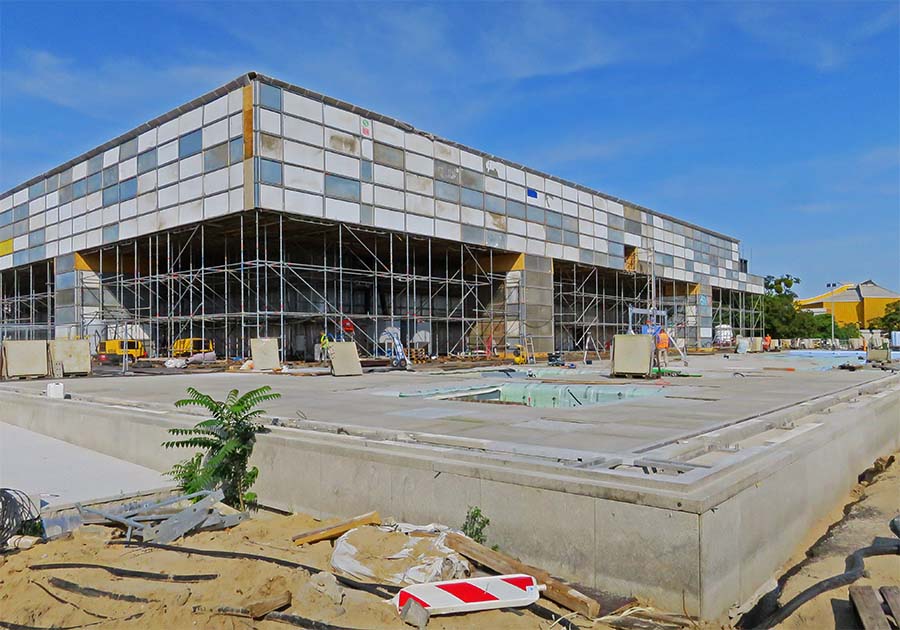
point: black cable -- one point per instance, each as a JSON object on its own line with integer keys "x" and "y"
{"x": 379, "y": 590}
{"x": 855, "y": 566}
{"x": 16, "y": 509}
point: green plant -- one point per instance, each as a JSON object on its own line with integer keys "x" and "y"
{"x": 475, "y": 524}
{"x": 890, "y": 320}
{"x": 225, "y": 441}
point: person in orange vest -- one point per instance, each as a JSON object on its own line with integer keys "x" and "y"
{"x": 767, "y": 343}
{"x": 662, "y": 348}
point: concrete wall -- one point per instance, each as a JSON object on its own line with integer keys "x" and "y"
{"x": 675, "y": 558}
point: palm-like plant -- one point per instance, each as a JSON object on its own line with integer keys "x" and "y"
{"x": 226, "y": 442}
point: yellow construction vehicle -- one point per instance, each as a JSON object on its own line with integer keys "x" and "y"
{"x": 114, "y": 350}
{"x": 190, "y": 346}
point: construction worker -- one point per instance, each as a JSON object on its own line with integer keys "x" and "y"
{"x": 767, "y": 342}
{"x": 662, "y": 348}
{"x": 323, "y": 344}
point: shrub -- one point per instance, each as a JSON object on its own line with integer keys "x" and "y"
{"x": 226, "y": 443}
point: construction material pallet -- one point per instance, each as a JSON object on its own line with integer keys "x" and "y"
{"x": 418, "y": 355}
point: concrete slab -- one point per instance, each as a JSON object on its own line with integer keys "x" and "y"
{"x": 692, "y": 497}
{"x": 59, "y": 472}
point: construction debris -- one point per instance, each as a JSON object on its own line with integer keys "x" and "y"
{"x": 333, "y": 531}
{"x": 398, "y": 554}
{"x": 77, "y": 580}
{"x": 150, "y": 524}
{"x": 556, "y": 591}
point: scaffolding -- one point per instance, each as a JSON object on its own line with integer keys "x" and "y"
{"x": 267, "y": 274}
{"x": 26, "y": 302}
{"x": 262, "y": 274}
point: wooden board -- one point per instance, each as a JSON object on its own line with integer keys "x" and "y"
{"x": 338, "y": 529}
{"x": 891, "y": 595}
{"x": 264, "y": 606}
{"x": 868, "y": 608}
{"x": 557, "y": 592}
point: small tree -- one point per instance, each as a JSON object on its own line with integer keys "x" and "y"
{"x": 225, "y": 441}
{"x": 475, "y": 524}
{"x": 890, "y": 320}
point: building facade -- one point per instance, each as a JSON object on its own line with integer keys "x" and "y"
{"x": 262, "y": 209}
{"x": 852, "y": 303}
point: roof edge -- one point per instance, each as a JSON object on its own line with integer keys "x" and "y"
{"x": 208, "y": 97}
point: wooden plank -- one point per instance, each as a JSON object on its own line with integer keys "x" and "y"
{"x": 262, "y": 607}
{"x": 891, "y": 595}
{"x": 333, "y": 531}
{"x": 557, "y": 592}
{"x": 868, "y": 608}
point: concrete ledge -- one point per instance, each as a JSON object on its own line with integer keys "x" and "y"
{"x": 703, "y": 540}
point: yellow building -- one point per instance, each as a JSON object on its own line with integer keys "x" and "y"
{"x": 852, "y": 303}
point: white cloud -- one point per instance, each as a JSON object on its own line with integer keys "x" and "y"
{"x": 806, "y": 33}
{"x": 118, "y": 88}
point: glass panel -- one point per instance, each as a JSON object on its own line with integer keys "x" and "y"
{"x": 515, "y": 209}
{"x": 269, "y": 172}
{"x": 236, "y": 148}
{"x": 535, "y": 214}
{"x": 146, "y": 161}
{"x": 190, "y": 144}
{"x": 471, "y": 198}
{"x": 128, "y": 189}
{"x": 79, "y": 189}
{"x": 365, "y": 170}
{"x": 554, "y": 219}
{"x": 6, "y": 217}
{"x": 111, "y": 175}
{"x": 471, "y": 179}
{"x": 20, "y": 212}
{"x": 36, "y": 190}
{"x": 52, "y": 182}
{"x": 341, "y": 187}
{"x": 110, "y": 195}
{"x": 65, "y": 194}
{"x": 215, "y": 158}
{"x": 495, "y": 204}
{"x": 446, "y": 172}
{"x": 554, "y": 235}
{"x": 36, "y": 237}
{"x": 20, "y": 228}
{"x": 111, "y": 233}
{"x": 66, "y": 280}
{"x": 128, "y": 150}
{"x": 64, "y": 264}
{"x": 270, "y": 96}
{"x": 95, "y": 164}
{"x": 94, "y": 183}
{"x": 389, "y": 156}
{"x": 445, "y": 191}
{"x": 65, "y": 177}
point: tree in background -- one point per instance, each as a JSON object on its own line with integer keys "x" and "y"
{"x": 890, "y": 321}
{"x": 785, "y": 321}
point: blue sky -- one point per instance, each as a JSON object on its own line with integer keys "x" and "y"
{"x": 777, "y": 123}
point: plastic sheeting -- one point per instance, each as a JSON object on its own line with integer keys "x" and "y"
{"x": 419, "y": 560}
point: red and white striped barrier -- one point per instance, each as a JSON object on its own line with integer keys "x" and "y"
{"x": 482, "y": 593}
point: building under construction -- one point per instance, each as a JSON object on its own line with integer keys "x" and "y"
{"x": 262, "y": 209}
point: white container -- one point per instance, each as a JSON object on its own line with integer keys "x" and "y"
{"x": 56, "y": 390}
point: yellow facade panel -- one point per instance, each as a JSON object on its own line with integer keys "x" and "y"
{"x": 248, "y": 121}
{"x": 6, "y": 247}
